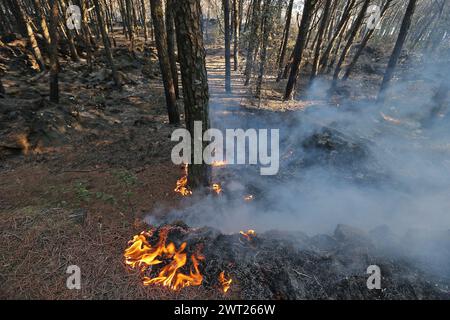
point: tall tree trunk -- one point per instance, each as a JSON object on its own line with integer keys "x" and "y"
{"x": 192, "y": 54}
{"x": 226, "y": 12}
{"x": 266, "y": 29}
{"x": 17, "y": 13}
{"x": 54, "y": 64}
{"x": 353, "y": 32}
{"x": 284, "y": 43}
{"x": 364, "y": 43}
{"x": 321, "y": 32}
{"x": 85, "y": 32}
{"x": 406, "y": 23}
{"x": 25, "y": 27}
{"x": 2, "y": 89}
{"x": 144, "y": 20}
{"x": 339, "y": 30}
{"x": 43, "y": 23}
{"x": 299, "y": 46}
{"x": 69, "y": 36}
{"x": 106, "y": 44}
{"x": 164, "y": 63}
{"x": 253, "y": 41}
{"x": 170, "y": 28}
{"x": 236, "y": 27}
{"x": 130, "y": 23}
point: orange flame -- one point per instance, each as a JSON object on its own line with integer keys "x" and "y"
{"x": 226, "y": 283}
{"x": 22, "y": 140}
{"x": 249, "y": 235}
{"x": 248, "y": 198}
{"x": 141, "y": 255}
{"x": 182, "y": 184}
{"x": 219, "y": 163}
{"x": 217, "y": 188}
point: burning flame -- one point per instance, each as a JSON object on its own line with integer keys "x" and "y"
{"x": 249, "y": 235}
{"x": 219, "y": 163}
{"x": 141, "y": 255}
{"x": 22, "y": 140}
{"x": 182, "y": 184}
{"x": 217, "y": 188}
{"x": 226, "y": 283}
{"x": 248, "y": 198}
{"x": 390, "y": 119}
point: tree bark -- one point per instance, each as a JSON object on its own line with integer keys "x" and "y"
{"x": 339, "y": 30}
{"x": 170, "y": 28}
{"x": 164, "y": 63}
{"x": 144, "y": 20}
{"x": 26, "y": 29}
{"x": 355, "y": 27}
{"x": 363, "y": 44}
{"x": 406, "y": 23}
{"x": 54, "y": 64}
{"x": 226, "y": 12}
{"x": 106, "y": 44}
{"x": 298, "y": 49}
{"x": 2, "y": 89}
{"x": 236, "y": 35}
{"x": 253, "y": 41}
{"x": 284, "y": 43}
{"x": 192, "y": 54}
{"x": 266, "y": 29}
{"x": 321, "y": 32}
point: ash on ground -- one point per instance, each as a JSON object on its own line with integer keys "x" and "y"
{"x": 292, "y": 265}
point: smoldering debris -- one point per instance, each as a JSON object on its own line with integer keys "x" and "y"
{"x": 292, "y": 265}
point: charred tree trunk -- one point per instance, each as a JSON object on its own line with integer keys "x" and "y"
{"x": 144, "y": 20}
{"x": 130, "y": 23}
{"x": 226, "y": 12}
{"x": 298, "y": 49}
{"x": 192, "y": 54}
{"x": 106, "y": 44}
{"x": 170, "y": 28}
{"x": 43, "y": 23}
{"x": 164, "y": 62}
{"x": 85, "y": 32}
{"x": 266, "y": 29}
{"x": 253, "y": 41}
{"x": 353, "y": 32}
{"x": 236, "y": 35}
{"x": 406, "y": 23}
{"x": 363, "y": 44}
{"x": 339, "y": 30}
{"x": 25, "y": 27}
{"x": 2, "y": 89}
{"x": 54, "y": 64}
{"x": 321, "y": 33}
{"x": 69, "y": 36}
{"x": 284, "y": 43}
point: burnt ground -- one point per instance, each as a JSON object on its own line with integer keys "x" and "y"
{"x": 78, "y": 178}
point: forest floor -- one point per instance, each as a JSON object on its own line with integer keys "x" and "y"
{"x": 78, "y": 178}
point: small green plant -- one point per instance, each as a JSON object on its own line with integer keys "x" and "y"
{"x": 83, "y": 194}
{"x": 128, "y": 180}
{"x": 106, "y": 197}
